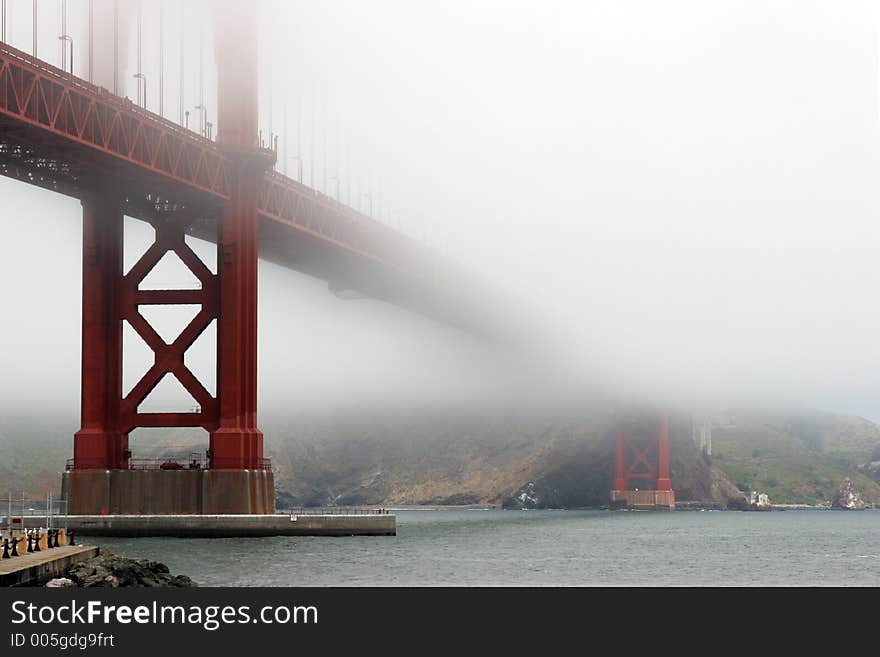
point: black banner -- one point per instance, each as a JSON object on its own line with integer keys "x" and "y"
{"x": 370, "y": 620}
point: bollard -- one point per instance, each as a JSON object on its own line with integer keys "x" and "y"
{"x": 70, "y": 538}
{"x": 6, "y": 548}
{"x": 15, "y": 540}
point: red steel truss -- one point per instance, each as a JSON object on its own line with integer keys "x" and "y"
{"x": 60, "y": 132}
{"x": 169, "y": 358}
{"x": 109, "y": 297}
{"x": 39, "y": 95}
{"x": 85, "y": 126}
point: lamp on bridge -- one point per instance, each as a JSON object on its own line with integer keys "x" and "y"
{"x": 69, "y": 39}
{"x": 140, "y": 77}
{"x": 299, "y": 166}
{"x": 202, "y": 112}
{"x": 370, "y": 196}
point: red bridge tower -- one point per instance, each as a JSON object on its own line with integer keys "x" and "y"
{"x": 642, "y": 457}
{"x": 236, "y": 478}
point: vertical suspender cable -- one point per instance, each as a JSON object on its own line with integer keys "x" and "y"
{"x": 336, "y": 161}
{"x": 181, "y": 94}
{"x": 140, "y": 23}
{"x": 62, "y": 42}
{"x": 161, "y": 58}
{"x": 116, "y": 47}
{"x": 3, "y": 36}
{"x": 202, "y": 75}
{"x": 35, "y": 28}
{"x": 286, "y": 137}
{"x": 91, "y": 40}
{"x": 312, "y": 148}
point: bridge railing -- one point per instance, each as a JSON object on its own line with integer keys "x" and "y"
{"x": 43, "y": 96}
{"x": 39, "y": 94}
{"x": 107, "y": 96}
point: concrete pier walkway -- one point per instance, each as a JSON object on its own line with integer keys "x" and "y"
{"x": 36, "y": 568}
{"x": 233, "y": 526}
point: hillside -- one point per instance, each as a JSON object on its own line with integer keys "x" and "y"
{"x": 796, "y": 458}
{"x": 453, "y": 456}
{"x": 563, "y": 461}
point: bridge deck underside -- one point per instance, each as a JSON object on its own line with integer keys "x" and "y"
{"x": 44, "y": 159}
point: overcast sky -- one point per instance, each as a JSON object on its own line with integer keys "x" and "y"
{"x": 686, "y": 190}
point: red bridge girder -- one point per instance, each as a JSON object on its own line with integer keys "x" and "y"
{"x": 37, "y": 94}
{"x": 60, "y": 132}
{"x": 158, "y": 152}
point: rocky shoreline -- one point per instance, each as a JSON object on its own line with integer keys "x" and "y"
{"x": 108, "y": 570}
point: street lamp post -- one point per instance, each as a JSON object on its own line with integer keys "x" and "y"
{"x": 141, "y": 77}
{"x": 299, "y": 165}
{"x": 69, "y": 39}
{"x": 202, "y": 110}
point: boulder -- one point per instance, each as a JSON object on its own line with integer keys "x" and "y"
{"x": 848, "y": 497}
{"x": 110, "y": 570}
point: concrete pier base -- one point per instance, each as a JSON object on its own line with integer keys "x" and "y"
{"x": 643, "y": 499}
{"x": 37, "y": 568}
{"x": 173, "y": 492}
{"x": 233, "y": 526}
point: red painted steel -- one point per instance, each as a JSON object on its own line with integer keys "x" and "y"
{"x": 39, "y": 95}
{"x": 663, "y": 482}
{"x": 169, "y": 358}
{"x": 63, "y": 133}
{"x": 109, "y": 297}
{"x": 289, "y": 202}
{"x": 101, "y": 442}
{"x": 237, "y": 443}
{"x": 159, "y": 153}
{"x": 643, "y": 458}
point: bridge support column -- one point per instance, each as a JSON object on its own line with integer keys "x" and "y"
{"x": 237, "y": 443}
{"x": 663, "y": 482}
{"x": 100, "y": 443}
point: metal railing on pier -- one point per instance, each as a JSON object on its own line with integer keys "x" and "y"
{"x": 21, "y": 510}
{"x": 333, "y": 511}
{"x": 195, "y": 462}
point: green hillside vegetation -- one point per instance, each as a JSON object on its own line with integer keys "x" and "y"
{"x": 766, "y": 455}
